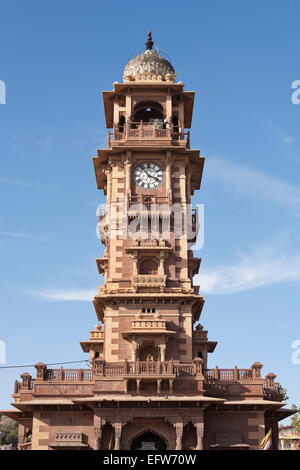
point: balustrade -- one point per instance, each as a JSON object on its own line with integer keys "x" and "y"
{"x": 145, "y": 130}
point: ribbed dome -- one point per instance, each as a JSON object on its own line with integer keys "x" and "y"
{"x": 149, "y": 65}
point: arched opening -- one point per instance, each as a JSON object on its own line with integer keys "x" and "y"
{"x": 121, "y": 124}
{"x": 149, "y": 111}
{"x": 148, "y": 440}
{"x": 189, "y": 437}
{"x": 148, "y": 352}
{"x": 175, "y": 124}
{"x": 107, "y": 437}
{"x": 148, "y": 266}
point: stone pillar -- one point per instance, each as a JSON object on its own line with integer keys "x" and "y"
{"x": 162, "y": 349}
{"x": 168, "y": 177}
{"x": 40, "y": 370}
{"x": 97, "y": 438}
{"x": 256, "y": 370}
{"x": 134, "y": 345}
{"x": 271, "y": 422}
{"x": 98, "y": 423}
{"x": 161, "y": 270}
{"x": 26, "y": 379}
{"x": 118, "y": 432}
{"x": 270, "y": 380}
{"x": 135, "y": 259}
{"x": 179, "y": 432}
{"x": 199, "y": 425}
{"x": 128, "y": 172}
{"x": 158, "y": 386}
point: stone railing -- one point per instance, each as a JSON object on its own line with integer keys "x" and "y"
{"x": 149, "y": 198}
{"x": 152, "y": 324}
{"x": 68, "y": 375}
{"x": 44, "y": 374}
{"x": 234, "y": 374}
{"x": 96, "y": 335}
{"x": 200, "y": 335}
{"x": 145, "y": 130}
{"x": 149, "y": 280}
{"x": 102, "y": 368}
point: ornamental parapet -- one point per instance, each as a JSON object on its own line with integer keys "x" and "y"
{"x": 141, "y": 133}
{"x": 149, "y": 280}
{"x": 146, "y": 368}
{"x": 170, "y": 370}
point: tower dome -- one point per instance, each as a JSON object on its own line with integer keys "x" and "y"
{"x": 149, "y": 65}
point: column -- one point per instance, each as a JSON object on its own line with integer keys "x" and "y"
{"x": 128, "y": 172}
{"x": 134, "y": 349}
{"x": 135, "y": 259}
{"x": 118, "y": 432}
{"x": 161, "y": 263}
{"x": 168, "y": 176}
{"x": 97, "y": 432}
{"x": 162, "y": 348}
{"x": 199, "y": 425}
{"x": 158, "y": 386}
{"x": 179, "y": 432}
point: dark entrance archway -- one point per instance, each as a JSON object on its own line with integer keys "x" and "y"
{"x": 148, "y": 440}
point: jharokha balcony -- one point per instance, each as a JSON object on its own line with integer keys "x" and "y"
{"x": 214, "y": 382}
{"x": 140, "y": 133}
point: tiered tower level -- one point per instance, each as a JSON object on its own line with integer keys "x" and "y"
{"x": 148, "y": 385}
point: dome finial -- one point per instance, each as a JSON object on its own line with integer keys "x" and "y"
{"x": 149, "y": 42}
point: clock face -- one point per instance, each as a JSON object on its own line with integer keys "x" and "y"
{"x": 148, "y": 175}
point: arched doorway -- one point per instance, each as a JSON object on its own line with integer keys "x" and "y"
{"x": 148, "y": 440}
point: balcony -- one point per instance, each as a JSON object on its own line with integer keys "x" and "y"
{"x": 148, "y": 327}
{"x": 146, "y": 368}
{"x": 217, "y": 382}
{"x": 149, "y": 281}
{"x": 141, "y": 133}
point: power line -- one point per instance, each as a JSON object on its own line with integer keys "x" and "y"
{"x": 47, "y": 364}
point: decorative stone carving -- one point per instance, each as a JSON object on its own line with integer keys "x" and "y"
{"x": 148, "y": 66}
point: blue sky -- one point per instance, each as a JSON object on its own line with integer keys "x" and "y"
{"x": 241, "y": 59}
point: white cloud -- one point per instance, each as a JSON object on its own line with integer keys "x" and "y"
{"x": 23, "y": 235}
{"x": 279, "y": 132}
{"x": 263, "y": 266}
{"x": 25, "y": 184}
{"x": 248, "y": 181}
{"x": 64, "y": 295}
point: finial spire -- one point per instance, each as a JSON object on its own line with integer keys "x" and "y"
{"x": 149, "y": 42}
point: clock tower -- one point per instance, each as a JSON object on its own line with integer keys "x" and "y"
{"x": 148, "y": 303}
